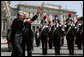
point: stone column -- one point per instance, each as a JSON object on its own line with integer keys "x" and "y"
{"x": 39, "y": 19}
{"x": 64, "y": 19}
{"x": 61, "y": 18}
{"x": 31, "y": 14}
{"x": 50, "y": 17}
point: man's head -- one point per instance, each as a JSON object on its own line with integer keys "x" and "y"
{"x": 56, "y": 18}
{"x": 25, "y": 15}
{"x": 81, "y": 20}
{"x": 20, "y": 15}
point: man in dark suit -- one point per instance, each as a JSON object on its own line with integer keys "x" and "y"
{"x": 16, "y": 34}
{"x": 27, "y": 34}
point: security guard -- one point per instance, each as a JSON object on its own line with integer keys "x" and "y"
{"x": 81, "y": 31}
{"x": 62, "y": 34}
{"x": 50, "y": 34}
{"x": 44, "y": 35}
{"x": 56, "y": 35}
{"x": 78, "y": 34}
{"x": 69, "y": 30}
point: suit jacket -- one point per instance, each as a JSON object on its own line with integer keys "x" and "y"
{"x": 17, "y": 27}
{"x": 27, "y": 32}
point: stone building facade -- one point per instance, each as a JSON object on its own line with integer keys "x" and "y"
{"x": 7, "y": 12}
{"x": 5, "y": 17}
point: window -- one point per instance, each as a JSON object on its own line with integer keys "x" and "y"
{"x": 33, "y": 8}
{"x": 47, "y": 10}
{"x": 29, "y": 14}
{"x": 48, "y": 15}
{"x": 41, "y": 14}
{"x": 33, "y": 13}
{"x": 63, "y": 17}
{"x": 37, "y": 27}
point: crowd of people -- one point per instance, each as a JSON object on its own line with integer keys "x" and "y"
{"x": 49, "y": 34}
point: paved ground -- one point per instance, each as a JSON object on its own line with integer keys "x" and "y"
{"x": 38, "y": 51}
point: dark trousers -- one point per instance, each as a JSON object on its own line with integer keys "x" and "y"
{"x": 78, "y": 42}
{"x": 37, "y": 42}
{"x": 50, "y": 42}
{"x": 28, "y": 43}
{"x": 17, "y": 50}
{"x": 57, "y": 46}
{"x": 44, "y": 46}
{"x": 82, "y": 41}
{"x": 70, "y": 43}
{"x": 32, "y": 43}
{"x": 62, "y": 41}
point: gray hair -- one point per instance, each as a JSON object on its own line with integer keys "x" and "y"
{"x": 19, "y": 13}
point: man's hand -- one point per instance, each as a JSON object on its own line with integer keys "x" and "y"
{"x": 28, "y": 20}
{"x": 38, "y": 11}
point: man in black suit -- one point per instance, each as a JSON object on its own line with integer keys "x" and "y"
{"x": 27, "y": 34}
{"x": 16, "y": 34}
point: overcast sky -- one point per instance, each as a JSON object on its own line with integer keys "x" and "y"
{"x": 74, "y": 5}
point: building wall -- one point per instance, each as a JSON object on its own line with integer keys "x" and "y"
{"x": 49, "y": 9}
{"x": 5, "y": 17}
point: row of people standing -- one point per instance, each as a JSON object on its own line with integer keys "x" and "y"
{"x": 55, "y": 34}
{"x": 51, "y": 34}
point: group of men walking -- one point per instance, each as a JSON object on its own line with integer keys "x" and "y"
{"x": 49, "y": 33}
